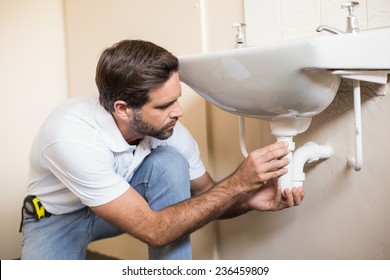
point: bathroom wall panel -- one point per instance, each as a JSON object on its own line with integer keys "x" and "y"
{"x": 263, "y": 21}
{"x": 32, "y": 83}
{"x": 378, "y": 13}
{"x": 298, "y": 18}
{"x": 279, "y": 20}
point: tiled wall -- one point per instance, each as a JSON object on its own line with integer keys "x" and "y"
{"x": 279, "y": 20}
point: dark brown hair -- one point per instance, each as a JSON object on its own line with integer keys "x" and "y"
{"x": 129, "y": 69}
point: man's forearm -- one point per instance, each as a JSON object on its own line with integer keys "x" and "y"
{"x": 239, "y": 208}
{"x": 228, "y": 198}
{"x": 192, "y": 214}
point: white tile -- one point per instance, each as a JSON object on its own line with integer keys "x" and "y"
{"x": 263, "y": 21}
{"x": 378, "y": 13}
{"x": 277, "y": 20}
{"x": 299, "y": 18}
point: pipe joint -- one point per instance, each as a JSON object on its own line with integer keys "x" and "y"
{"x": 309, "y": 152}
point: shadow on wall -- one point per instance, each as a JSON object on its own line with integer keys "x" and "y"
{"x": 343, "y": 101}
{"x": 342, "y": 105}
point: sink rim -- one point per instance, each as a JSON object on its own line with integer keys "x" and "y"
{"x": 314, "y": 62}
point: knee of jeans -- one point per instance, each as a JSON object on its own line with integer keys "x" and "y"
{"x": 173, "y": 177}
{"x": 170, "y": 161}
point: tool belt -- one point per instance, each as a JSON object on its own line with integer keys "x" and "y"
{"x": 33, "y": 206}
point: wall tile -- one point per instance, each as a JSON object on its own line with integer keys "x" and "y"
{"x": 378, "y": 13}
{"x": 263, "y": 21}
{"x": 299, "y": 18}
{"x": 279, "y": 20}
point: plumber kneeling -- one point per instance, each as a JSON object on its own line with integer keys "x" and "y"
{"x": 121, "y": 162}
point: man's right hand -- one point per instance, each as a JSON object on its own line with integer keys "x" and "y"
{"x": 262, "y": 165}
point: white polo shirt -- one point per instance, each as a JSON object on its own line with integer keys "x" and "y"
{"x": 79, "y": 157}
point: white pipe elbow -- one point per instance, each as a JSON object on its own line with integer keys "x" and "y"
{"x": 307, "y": 153}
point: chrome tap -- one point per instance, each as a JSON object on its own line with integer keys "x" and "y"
{"x": 329, "y": 29}
{"x": 240, "y": 41}
{"x": 351, "y": 24}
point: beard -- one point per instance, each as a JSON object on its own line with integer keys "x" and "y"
{"x": 140, "y": 126}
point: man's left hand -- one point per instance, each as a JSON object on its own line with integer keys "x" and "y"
{"x": 269, "y": 197}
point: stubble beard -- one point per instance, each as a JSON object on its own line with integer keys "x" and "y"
{"x": 142, "y": 127}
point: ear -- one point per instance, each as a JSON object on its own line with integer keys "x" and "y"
{"x": 121, "y": 110}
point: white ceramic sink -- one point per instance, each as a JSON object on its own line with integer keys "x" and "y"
{"x": 294, "y": 79}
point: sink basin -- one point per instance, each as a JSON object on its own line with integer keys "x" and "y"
{"x": 288, "y": 83}
{"x": 286, "y": 80}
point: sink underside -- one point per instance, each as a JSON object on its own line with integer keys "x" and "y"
{"x": 286, "y": 79}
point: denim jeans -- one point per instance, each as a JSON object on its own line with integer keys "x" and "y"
{"x": 162, "y": 179}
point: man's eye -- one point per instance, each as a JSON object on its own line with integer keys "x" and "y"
{"x": 163, "y": 107}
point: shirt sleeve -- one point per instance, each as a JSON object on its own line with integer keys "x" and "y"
{"x": 87, "y": 171}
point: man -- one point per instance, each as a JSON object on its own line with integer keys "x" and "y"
{"x": 122, "y": 163}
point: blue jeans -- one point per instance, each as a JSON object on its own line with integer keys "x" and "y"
{"x": 162, "y": 179}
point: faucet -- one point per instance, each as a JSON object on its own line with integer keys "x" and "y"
{"x": 351, "y": 24}
{"x": 240, "y": 41}
{"x": 329, "y": 29}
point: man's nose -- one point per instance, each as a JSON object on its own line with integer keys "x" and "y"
{"x": 177, "y": 111}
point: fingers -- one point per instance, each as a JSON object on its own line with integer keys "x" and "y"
{"x": 275, "y": 151}
{"x": 271, "y": 173}
{"x": 262, "y": 165}
{"x": 276, "y": 164}
{"x": 271, "y": 157}
{"x": 298, "y": 195}
{"x": 270, "y": 161}
{"x": 293, "y": 197}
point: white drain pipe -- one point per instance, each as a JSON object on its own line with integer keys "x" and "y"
{"x": 309, "y": 152}
{"x": 285, "y": 181}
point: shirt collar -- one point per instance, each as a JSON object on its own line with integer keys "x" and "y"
{"x": 108, "y": 129}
